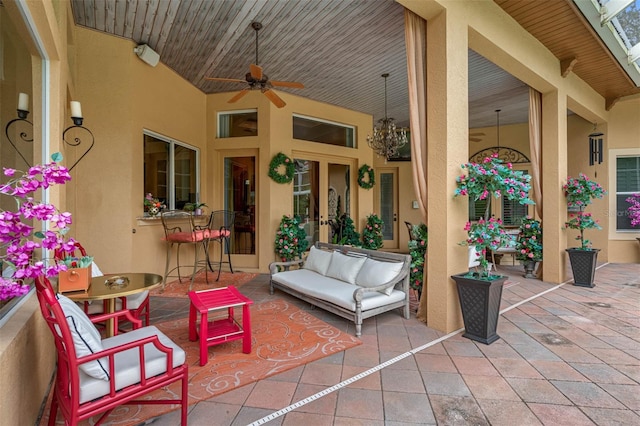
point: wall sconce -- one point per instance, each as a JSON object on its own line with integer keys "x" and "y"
{"x": 23, "y": 113}
{"x": 595, "y": 148}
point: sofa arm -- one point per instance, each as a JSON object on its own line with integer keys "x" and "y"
{"x": 274, "y": 267}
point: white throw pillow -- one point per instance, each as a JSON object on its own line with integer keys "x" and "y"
{"x": 86, "y": 338}
{"x": 345, "y": 268}
{"x": 318, "y": 261}
{"x": 375, "y": 273}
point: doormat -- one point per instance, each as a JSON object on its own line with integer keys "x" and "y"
{"x": 181, "y": 289}
{"x": 283, "y": 337}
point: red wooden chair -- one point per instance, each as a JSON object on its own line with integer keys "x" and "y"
{"x": 96, "y": 376}
{"x": 138, "y": 304}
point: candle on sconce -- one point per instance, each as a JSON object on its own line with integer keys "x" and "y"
{"x": 23, "y": 102}
{"x": 76, "y": 109}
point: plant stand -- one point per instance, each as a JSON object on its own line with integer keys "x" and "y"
{"x": 583, "y": 266}
{"x": 480, "y": 303}
{"x": 529, "y": 268}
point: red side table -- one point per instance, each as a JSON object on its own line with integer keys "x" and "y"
{"x": 219, "y": 330}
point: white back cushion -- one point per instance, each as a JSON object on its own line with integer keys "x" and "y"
{"x": 375, "y": 273}
{"x": 345, "y": 268}
{"x": 86, "y": 338}
{"x": 318, "y": 261}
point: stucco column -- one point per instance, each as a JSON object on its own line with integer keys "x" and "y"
{"x": 554, "y": 166}
{"x": 447, "y": 133}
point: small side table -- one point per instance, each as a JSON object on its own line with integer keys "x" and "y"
{"x": 219, "y": 330}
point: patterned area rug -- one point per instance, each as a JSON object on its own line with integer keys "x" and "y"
{"x": 181, "y": 289}
{"x": 284, "y": 337}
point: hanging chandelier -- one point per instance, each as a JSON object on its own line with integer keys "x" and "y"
{"x": 387, "y": 139}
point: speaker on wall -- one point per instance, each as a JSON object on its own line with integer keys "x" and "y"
{"x": 147, "y": 54}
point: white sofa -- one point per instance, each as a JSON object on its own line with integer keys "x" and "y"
{"x": 347, "y": 281}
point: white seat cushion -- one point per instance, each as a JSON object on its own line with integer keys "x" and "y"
{"x": 374, "y": 273}
{"x": 86, "y": 338}
{"x": 345, "y": 268}
{"x": 127, "y": 363}
{"x": 331, "y": 290}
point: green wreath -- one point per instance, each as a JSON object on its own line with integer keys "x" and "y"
{"x": 371, "y": 177}
{"x": 281, "y": 160}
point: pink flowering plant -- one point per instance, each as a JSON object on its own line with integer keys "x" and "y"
{"x": 372, "y": 232}
{"x": 492, "y": 178}
{"x": 634, "y": 209}
{"x": 290, "y": 239}
{"x": 581, "y": 192}
{"x": 22, "y": 237}
{"x": 485, "y": 235}
{"x": 529, "y": 243}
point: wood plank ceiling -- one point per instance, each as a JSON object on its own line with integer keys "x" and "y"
{"x": 337, "y": 48}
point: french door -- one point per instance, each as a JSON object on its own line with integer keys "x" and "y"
{"x": 322, "y": 194}
{"x": 387, "y": 202}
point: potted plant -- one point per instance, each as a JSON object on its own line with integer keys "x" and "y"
{"x": 372, "y": 233}
{"x": 529, "y": 245}
{"x": 580, "y": 192}
{"x": 196, "y": 208}
{"x": 22, "y": 237}
{"x": 78, "y": 274}
{"x": 290, "y": 239}
{"x": 153, "y": 206}
{"x": 480, "y": 291}
{"x": 418, "y": 251}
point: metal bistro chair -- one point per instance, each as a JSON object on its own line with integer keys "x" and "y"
{"x": 137, "y": 304}
{"x": 180, "y": 228}
{"x": 95, "y": 376}
{"x": 220, "y": 227}
{"x": 410, "y": 230}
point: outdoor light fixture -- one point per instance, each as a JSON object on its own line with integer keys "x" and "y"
{"x": 387, "y": 139}
{"x": 595, "y": 148}
{"x": 23, "y": 113}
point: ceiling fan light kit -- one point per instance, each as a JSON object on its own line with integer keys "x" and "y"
{"x": 387, "y": 139}
{"x": 258, "y": 80}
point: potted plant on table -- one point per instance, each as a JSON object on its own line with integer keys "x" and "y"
{"x": 580, "y": 192}
{"x": 480, "y": 291}
{"x": 21, "y": 239}
{"x": 196, "y": 208}
{"x": 153, "y": 205}
{"x": 529, "y": 245}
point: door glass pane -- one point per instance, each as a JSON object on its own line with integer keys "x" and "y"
{"x": 239, "y": 196}
{"x": 339, "y": 195}
{"x": 185, "y": 176}
{"x": 386, "y": 205}
{"x": 306, "y": 197}
{"x": 156, "y": 168}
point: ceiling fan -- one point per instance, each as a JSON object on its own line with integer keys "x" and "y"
{"x": 476, "y": 137}
{"x": 258, "y": 80}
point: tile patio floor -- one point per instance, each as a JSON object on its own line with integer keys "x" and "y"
{"x": 570, "y": 356}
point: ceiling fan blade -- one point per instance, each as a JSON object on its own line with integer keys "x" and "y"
{"x": 475, "y": 139}
{"x": 476, "y": 134}
{"x": 234, "y": 80}
{"x": 256, "y": 71}
{"x": 293, "y": 84}
{"x": 274, "y": 98}
{"x": 238, "y": 96}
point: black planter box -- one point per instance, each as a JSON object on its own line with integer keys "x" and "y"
{"x": 480, "y": 303}
{"x": 583, "y": 266}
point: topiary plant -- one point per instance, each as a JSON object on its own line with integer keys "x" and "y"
{"x": 290, "y": 239}
{"x": 372, "y": 233}
{"x": 344, "y": 231}
{"x": 418, "y": 250}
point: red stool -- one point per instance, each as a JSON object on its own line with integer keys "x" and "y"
{"x": 219, "y": 330}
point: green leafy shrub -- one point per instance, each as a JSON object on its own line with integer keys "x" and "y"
{"x": 290, "y": 239}
{"x": 418, "y": 250}
{"x": 372, "y": 233}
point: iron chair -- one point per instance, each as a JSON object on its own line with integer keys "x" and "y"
{"x": 220, "y": 229}
{"x": 95, "y": 376}
{"x": 410, "y": 229}
{"x": 180, "y": 228}
{"x": 137, "y": 304}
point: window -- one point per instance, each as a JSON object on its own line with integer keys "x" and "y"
{"x": 170, "y": 171}
{"x": 627, "y": 183}
{"x": 323, "y": 131}
{"x": 234, "y": 124}
{"x": 240, "y": 197}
